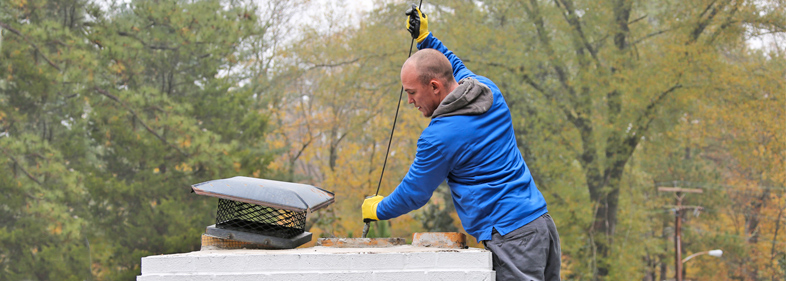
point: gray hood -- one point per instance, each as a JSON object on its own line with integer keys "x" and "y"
{"x": 469, "y": 98}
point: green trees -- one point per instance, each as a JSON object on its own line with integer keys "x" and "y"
{"x": 44, "y": 205}
{"x": 108, "y": 116}
{"x": 108, "y": 112}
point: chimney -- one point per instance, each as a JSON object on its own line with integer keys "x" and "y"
{"x": 262, "y": 213}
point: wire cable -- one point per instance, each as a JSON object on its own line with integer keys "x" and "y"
{"x": 392, "y": 130}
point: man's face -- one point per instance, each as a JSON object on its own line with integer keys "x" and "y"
{"x": 424, "y": 96}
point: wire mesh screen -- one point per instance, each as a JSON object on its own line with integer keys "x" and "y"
{"x": 258, "y": 219}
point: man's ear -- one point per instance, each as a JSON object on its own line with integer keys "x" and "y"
{"x": 435, "y": 85}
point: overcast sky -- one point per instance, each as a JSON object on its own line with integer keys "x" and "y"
{"x": 315, "y": 12}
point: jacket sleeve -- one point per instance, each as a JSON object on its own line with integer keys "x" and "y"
{"x": 424, "y": 176}
{"x": 459, "y": 70}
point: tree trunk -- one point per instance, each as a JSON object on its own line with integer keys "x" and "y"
{"x": 752, "y": 220}
{"x": 773, "y": 252}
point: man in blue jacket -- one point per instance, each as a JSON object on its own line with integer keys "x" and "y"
{"x": 470, "y": 142}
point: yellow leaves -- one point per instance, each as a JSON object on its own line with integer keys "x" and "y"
{"x": 56, "y": 229}
{"x": 118, "y": 67}
{"x": 275, "y": 166}
{"x": 156, "y": 171}
{"x": 19, "y": 3}
{"x": 153, "y": 203}
{"x": 186, "y": 142}
{"x": 237, "y": 166}
{"x": 278, "y": 144}
{"x": 2, "y": 115}
{"x": 11, "y": 66}
{"x": 34, "y": 250}
{"x": 183, "y": 167}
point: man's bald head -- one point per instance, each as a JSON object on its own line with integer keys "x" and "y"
{"x": 432, "y": 64}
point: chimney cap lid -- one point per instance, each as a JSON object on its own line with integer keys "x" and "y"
{"x": 269, "y": 193}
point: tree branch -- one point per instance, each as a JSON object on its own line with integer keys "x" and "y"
{"x": 347, "y": 62}
{"x": 154, "y": 47}
{"x": 572, "y": 19}
{"x": 570, "y": 115}
{"x": 619, "y": 148}
{"x": 647, "y": 117}
{"x": 527, "y": 79}
{"x": 726, "y": 23}
{"x": 38, "y": 50}
{"x": 656, "y": 33}
{"x": 537, "y": 18}
{"x": 300, "y": 152}
{"x": 704, "y": 23}
{"x": 637, "y": 20}
{"x": 333, "y": 64}
{"x": 21, "y": 167}
{"x": 707, "y": 8}
{"x": 136, "y": 116}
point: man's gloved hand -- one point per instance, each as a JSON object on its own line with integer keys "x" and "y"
{"x": 370, "y": 208}
{"x": 417, "y": 23}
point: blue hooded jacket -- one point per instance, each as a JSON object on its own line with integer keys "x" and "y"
{"x": 492, "y": 187}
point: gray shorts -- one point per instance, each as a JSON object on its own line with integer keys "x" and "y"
{"x": 531, "y": 252}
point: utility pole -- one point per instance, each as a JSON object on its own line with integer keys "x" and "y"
{"x": 678, "y": 224}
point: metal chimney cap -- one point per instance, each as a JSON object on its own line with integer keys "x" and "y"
{"x": 270, "y": 193}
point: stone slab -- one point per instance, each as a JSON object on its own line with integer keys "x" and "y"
{"x": 452, "y": 240}
{"x": 361, "y": 242}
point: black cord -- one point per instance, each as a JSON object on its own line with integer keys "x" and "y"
{"x": 390, "y": 140}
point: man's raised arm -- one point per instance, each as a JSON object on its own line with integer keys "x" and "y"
{"x": 417, "y": 25}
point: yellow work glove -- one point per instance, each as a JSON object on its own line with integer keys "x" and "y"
{"x": 370, "y": 208}
{"x": 417, "y": 23}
